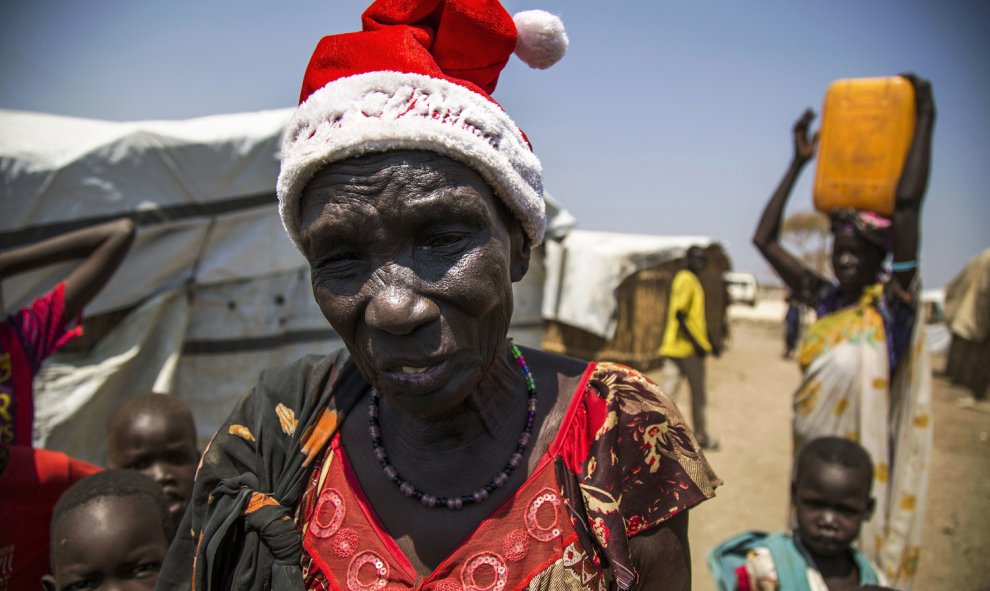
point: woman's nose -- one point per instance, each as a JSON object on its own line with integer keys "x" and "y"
{"x": 397, "y": 307}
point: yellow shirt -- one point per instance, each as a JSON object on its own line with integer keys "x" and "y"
{"x": 687, "y": 295}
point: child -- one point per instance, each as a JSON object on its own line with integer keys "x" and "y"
{"x": 31, "y": 334}
{"x": 831, "y": 495}
{"x": 155, "y": 434}
{"x": 110, "y": 530}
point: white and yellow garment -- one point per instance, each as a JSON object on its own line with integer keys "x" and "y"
{"x": 847, "y": 391}
{"x": 761, "y": 572}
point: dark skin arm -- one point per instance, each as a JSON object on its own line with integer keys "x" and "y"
{"x": 101, "y": 247}
{"x": 662, "y": 556}
{"x": 913, "y": 183}
{"x": 767, "y": 237}
{"x": 698, "y": 349}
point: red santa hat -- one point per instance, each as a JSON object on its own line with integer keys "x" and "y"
{"x": 419, "y": 77}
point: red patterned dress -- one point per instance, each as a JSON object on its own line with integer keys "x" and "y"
{"x": 622, "y": 462}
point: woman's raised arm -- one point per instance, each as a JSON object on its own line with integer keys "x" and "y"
{"x": 912, "y": 186}
{"x": 767, "y": 237}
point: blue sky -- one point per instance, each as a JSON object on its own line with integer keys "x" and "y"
{"x": 664, "y": 118}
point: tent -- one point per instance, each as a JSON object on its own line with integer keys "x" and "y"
{"x": 606, "y": 293}
{"x": 212, "y": 291}
{"x": 967, "y": 311}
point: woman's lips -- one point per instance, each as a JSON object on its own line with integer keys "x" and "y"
{"x": 417, "y": 377}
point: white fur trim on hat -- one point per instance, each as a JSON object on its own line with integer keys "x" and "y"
{"x": 384, "y": 111}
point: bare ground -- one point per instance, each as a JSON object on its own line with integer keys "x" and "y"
{"x": 749, "y": 408}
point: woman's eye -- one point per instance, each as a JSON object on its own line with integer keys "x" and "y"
{"x": 341, "y": 256}
{"x": 442, "y": 241}
{"x": 338, "y": 262}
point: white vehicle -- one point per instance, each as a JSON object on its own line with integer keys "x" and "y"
{"x": 741, "y": 287}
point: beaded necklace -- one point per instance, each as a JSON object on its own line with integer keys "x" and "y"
{"x": 455, "y": 502}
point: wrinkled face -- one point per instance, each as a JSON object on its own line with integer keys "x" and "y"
{"x": 855, "y": 261}
{"x": 162, "y": 446}
{"x": 412, "y": 264}
{"x": 832, "y": 501}
{"x": 108, "y": 543}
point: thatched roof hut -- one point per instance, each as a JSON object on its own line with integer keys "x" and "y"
{"x": 606, "y": 294}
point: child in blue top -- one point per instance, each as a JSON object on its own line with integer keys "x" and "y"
{"x": 832, "y": 498}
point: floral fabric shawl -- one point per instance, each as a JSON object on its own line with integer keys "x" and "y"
{"x": 847, "y": 391}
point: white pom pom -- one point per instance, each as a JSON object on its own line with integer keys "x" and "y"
{"x": 541, "y": 40}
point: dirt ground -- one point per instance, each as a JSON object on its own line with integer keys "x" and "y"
{"x": 749, "y": 409}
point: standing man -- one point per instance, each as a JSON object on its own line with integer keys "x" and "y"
{"x": 685, "y": 342}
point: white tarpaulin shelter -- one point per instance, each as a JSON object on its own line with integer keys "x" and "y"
{"x": 213, "y": 290}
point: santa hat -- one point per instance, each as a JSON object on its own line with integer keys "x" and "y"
{"x": 419, "y": 77}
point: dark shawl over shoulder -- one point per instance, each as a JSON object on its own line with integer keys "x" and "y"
{"x": 238, "y": 532}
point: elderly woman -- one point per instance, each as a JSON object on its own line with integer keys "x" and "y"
{"x": 433, "y": 453}
{"x": 866, "y": 376}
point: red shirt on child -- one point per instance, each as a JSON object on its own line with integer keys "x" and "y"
{"x": 30, "y": 485}
{"x": 27, "y": 338}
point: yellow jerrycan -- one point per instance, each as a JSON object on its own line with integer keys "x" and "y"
{"x": 867, "y": 127}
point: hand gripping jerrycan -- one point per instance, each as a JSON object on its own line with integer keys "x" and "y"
{"x": 867, "y": 127}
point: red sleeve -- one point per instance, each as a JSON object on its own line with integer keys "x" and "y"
{"x": 42, "y": 327}
{"x": 79, "y": 469}
{"x": 60, "y": 470}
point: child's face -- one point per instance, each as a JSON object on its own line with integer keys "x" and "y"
{"x": 109, "y": 543}
{"x": 162, "y": 447}
{"x": 832, "y": 502}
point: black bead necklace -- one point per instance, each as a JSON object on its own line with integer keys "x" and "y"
{"x": 455, "y": 502}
